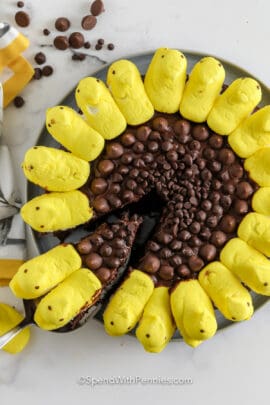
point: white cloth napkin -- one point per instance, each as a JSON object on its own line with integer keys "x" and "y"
{"x": 12, "y": 232}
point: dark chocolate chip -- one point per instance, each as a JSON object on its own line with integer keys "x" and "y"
{"x": 46, "y": 32}
{"x": 62, "y": 24}
{"x": 200, "y": 132}
{"x": 216, "y": 141}
{"x": 22, "y": 19}
{"x": 88, "y": 22}
{"x": 104, "y": 274}
{"x": 93, "y": 261}
{"x": 20, "y": 4}
{"x": 40, "y": 58}
{"x": 182, "y": 127}
{"x": 208, "y": 252}
{"x": 76, "y": 40}
{"x": 98, "y": 47}
{"x": 18, "y": 102}
{"x": 99, "y": 186}
{"x": 107, "y": 234}
{"x": 61, "y": 42}
{"x": 183, "y": 271}
{"x": 236, "y": 170}
{"x": 195, "y": 263}
{"x": 87, "y": 45}
{"x": 218, "y": 238}
{"x": 114, "y": 201}
{"x": 166, "y": 272}
{"x": 138, "y": 147}
{"x": 143, "y": 133}
{"x": 97, "y": 7}
{"x": 111, "y": 47}
{"x": 100, "y": 41}
{"x": 228, "y": 224}
{"x": 84, "y": 247}
{"x": 226, "y": 156}
{"x": 105, "y": 166}
{"x": 114, "y": 150}
{"x": 100, "y": 204}
{"x": 160, "y": 124}
{"x": 153, "y": 246}
{"x": 128, "y": 139}
{"x": 240, "y": 207}
{"x": 47, "y": 70}
{"x": 105, "y": 250}
{"x": 112, "y": 262}
{"x": 150, "y": 263}
{"x": 244, "y": 190}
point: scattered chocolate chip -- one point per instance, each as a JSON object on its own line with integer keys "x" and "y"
{"x": 78, "y": 56}
{"x": 200, "y": 132}
{"x": 61, "y": 42}
{"x": 105, "y": 166}
{"x": 98, "y": 47}
{"x": 99, "y": 186}
{"x": 76, "y": 40}
{"x": 100, "y": 41}
{"x": 22, "y": 19}
{"x": 62, "y": 24}
{"x": 166, "y": 272}
{"x": 218, "y": 238}
{"x": 46, "y": 32}
{"x": 40, "y": 58}
{"x": 18, "y": 102}
{"x": 87, "y": 45}
{"x": 111, "y": 47}
{"x": 183, "y": 271}
{"x": 104, "y": 274}
{"x": 97, "y": 7}
{"x": 20, "y": 4}
{"x": 37, "y": 74}
{"x": 182, "y": 127}
{"x": 47, "y": 70}
{"x": 240, "y": 207}
{"x": 244, "y": 190}
{"x": 100, "y": 204}
{"x": 88, "y": 22}
{"x": 114, "y": 150}
{"x": 227, "y": 224}
{"x": 105, "y": 250}
{"x": 226, "y": 156}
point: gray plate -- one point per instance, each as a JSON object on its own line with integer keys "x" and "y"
{"x": 142, "y": 61}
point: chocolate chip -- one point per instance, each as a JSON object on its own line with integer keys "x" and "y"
{"x": 105, "y": 250}
{"x": 119, "y": 243}
{"x": 195, "y": 227}
{"x": 155, "y": 136}
{"x": 195, "y": 241}
{"x": 152, "y": 146}
{"x": 114, "y": 200}
{"x": 208, "y": 252}
{"x": 22, "y": 19}
{"x": 205, "y": 233}
{"x": 88, "y": 22}
{"x": 201, "y": 216}
{"x": 200, "y": 132}
{"x": 127, "y": 158}
{"x": 229, "y": 188}
{"x": 150, "y": 263}
{"x": 236, "y": 170}
{"x": 184, "y": 235}
{"x": 164, "y": 237}
{"x": 244, "y": 190}
{"x": 216, "y": 141}
{"x": 240, "y": 207}
{"x": 18, "y": 102}
{"x": 131, "y": 184}
{"x": 87, "y": 45}
{"x": 206, "y": 205}
{"x": 160, "y": 124}
{"x": 225, "y": 201}
{"x": 218, "y": 238}
{"x": 40, "y": 58}
{"x": 93, "y": 261}
{"x": 128, "y": 196}
{"x": 84, "y": 247}
{"x": 110, "y": 47}
{"x": 138, "y": 147}
{"x": 107, "y": 234}
{"x": 175, "y": 260}
{"x": 182, "y": 127}
{"x": 46, "y": 32}
{"x": 47, "y": 70}
{"x": 62, "y": 24}
{"x": 100, "y": 204}
{"x": 97, "y": 7}
{"x": 128, "y": 139}
{"x": 20, "y": 4}
{"x": 195, "y": 263}
{"x": 100, "y": 41}
{"x": 166, "y": 272}
{"x": 61, "y": 42}
{"x": 105, "y": 166}
{"x": 183, "y": 271}
{"x": 104, "y": 274}
{"x": 98, "y": 47}
{"x": 227, "y": 224}
{"x": 153, "y": 246}
{"x": 76, "y": 40}
{"x": 114, "y": 150}
{"x": 165, "y": 253}
{"x": 226, "y": 156}
{"x": 78, "y": 56}
{"x": 96, "y": 240}
{"x": 112, "y": 262}
{"x": 143, "y": 133}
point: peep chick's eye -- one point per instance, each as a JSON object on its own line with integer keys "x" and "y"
{"x": 163, "y": 56}
{"x": 113, "y": 72}
{"x": 78, "y": 90}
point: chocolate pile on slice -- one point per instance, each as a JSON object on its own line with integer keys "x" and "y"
{"x": 200, "y": 179}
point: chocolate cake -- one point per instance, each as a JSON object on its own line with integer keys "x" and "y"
{"x": 201, "y": 154}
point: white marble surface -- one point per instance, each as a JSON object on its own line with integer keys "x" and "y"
{"x": 233, "y": 366}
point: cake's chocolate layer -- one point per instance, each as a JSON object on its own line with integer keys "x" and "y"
{"x": 202, "y": 182}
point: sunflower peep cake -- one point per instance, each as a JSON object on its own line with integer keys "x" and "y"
{"x": 205, "y": 152}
